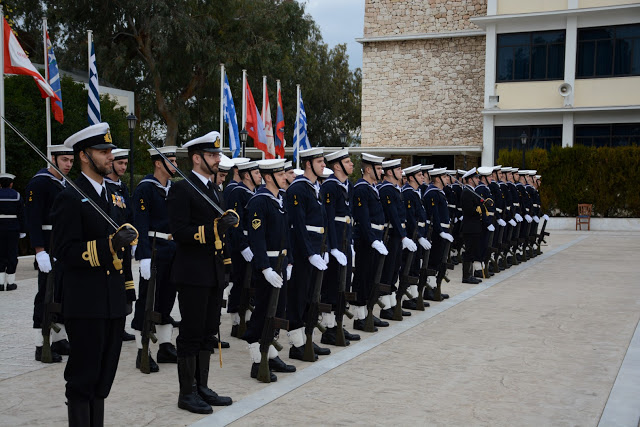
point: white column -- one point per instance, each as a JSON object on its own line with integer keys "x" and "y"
{"x": 567, "y": 129}
{"x": 221, "y": 105}
{"x": 492, "y": 7}
{"x": 570, "y": 52}
{"x": 488, "y": 140}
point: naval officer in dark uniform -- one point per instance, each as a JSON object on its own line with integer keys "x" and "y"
{"x": 198, "y": 271}
{"x": 90, "y": 253}
{"x": 12, "y": 229}
{"x": 472, "y": 224}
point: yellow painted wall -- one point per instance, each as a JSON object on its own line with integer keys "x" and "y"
{"x": 601, "y": 3}
{"x": 607, "y": 92}
{"x": 528, "y": 95}
{"x": 507, "y": 7}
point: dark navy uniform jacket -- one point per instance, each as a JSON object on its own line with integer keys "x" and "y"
{"x": 237, "y": 199}
{"x": 393, "y": 207}
{"x": 230, "y": 186}
{"x": 415, "y": 213}
{"x": 119, "y": 188}
{"x": 119, "y": 201}
{"x": 457, "y": 191}
{"x": 92, "y": 286}
{"x": 435, "y": 205}
{"x": 488, "y": 212}
{"x": 11, "y": 210}
{"x": 534, "y": 197}
{"x": 337, "y": 197}
{"x": 268, "y": 229}
{"x": 150, "y": 213}
{"x": 305, "y": 209}
{"x": 472, "y": 210}
{"x": 40, "y": 193}
{"x": 508, "y": 212}
{"x": 498, "y": 199}
{"x": 526, "y": 205}
{"x": 515, "y": 200}
{"x": 451, "y": 200}
{"x": 367, "y": 212}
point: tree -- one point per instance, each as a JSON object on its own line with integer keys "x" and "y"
{"x": 168, "y": 52}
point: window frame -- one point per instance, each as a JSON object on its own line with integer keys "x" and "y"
{"x": 611, "y": 135}
{"x": 594, "y": 58}
{"x": 518, "y": 129}
{"x": 531, "y": 46}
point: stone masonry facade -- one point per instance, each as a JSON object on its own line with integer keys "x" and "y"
{"x": 426, "y": 92}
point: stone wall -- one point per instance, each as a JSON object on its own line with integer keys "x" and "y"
{"x": 401, "y": 17}
{"x": 423, "y": 92}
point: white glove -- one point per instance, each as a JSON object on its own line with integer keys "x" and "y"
{"x": 317, "y": 261}
{"x": 512, "y": 222}
{"x": 491, "y": 227}
{"x": 528, "y": 218}
{"x": 455, "y": 220}
{"x": 247, "y": 254}
{"x": 289, "y": 268}
{"x": 447, "y": 236}
{"x": 462, "y": 217}
{"x": 133, "y": 250}
{"x": 272, "y": 277}
{"x": 502, "y": 223}
{"x": 145, "y": 268}
{"x": 325, "y": 257}
{"x": 409, "y": 244}
{"x": 424, "y": 243}
{"x": 380, "y": 247}
{"x": 536, "y": 219}
{"x": 353, "y": 253}
{"x": 339, "y": 256}
{"x": 23, "y": 235}
{"x": 545, "y": 216}
{"x": 518, "y": 217}
{"x": 44, "y": 263}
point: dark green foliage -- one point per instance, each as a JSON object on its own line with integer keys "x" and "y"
{"x": 601, "y": 176}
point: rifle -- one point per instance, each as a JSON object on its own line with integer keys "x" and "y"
{"x": 151, "y": 317}
{"x": 343, "y": 296}
{"x": 490, "y": 251}
{"x": 50, "y": 308}
{"x": 442, "y": 270}
{"x": 541, "y": 236}
{"x": 377, "y": 286}
{"x": 244, "y": 301}
{"x": 406, "y": 280}
{"x": 271, "y": 324}
{"x": 425, "y": 271}
{"x": 315, "y": 308}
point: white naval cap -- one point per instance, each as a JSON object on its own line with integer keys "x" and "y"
{"x": 426, "y": 168}
{"x": 8, "y": 176}
{"x": 247, "y": 166}
{"x": 168, "y": 151}
{"x": 237, "y": 160}
{"x": 371, "y": 159}
{"x": 209, "y": 142}
{"x": 271, "y": 165}
{"x": 312, "y": 153}
{"x": 497, "y": 168}
{"x": 470, "y": 173}
{"x": 506, "y": 169}
{"x": 326, "y": 173}
{"x": 461, "y": 172}
{"x": 288, "y": 165}
{"x": 450, "y": 171}
{"x": 60, "y": 150}
{"x": 225, "y": 164}
{"x": 411, "y": 170}
{"x": 538, "y": 176}
{"x": 391, "y": 164}
{"x": 437, "y": 172}
{"x": 532, "y": 172}
{"x": 514, "y": 170}
{"x": 336, "y": 156}
{"x": 95, "y": 136}
{"x": 485, "y": 170}
{"x": 298, "y": 172}
{"x": 120, "y": 153}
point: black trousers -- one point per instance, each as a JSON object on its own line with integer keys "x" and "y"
{"x": 165, "y": 295}
{"x": 471, "y": 245}
{"x": 365, "y": 270}
{"x": 38, "y": 301}
{"x": 93, "y": 359}
{"x": 200, "y": 312}
{"x": 262, "y": 298}
{"x": 299, "y": 292}
{"x": 239, "y": 268}
{"x": 331, "y": 280}
{"x": 392, "y": 261}
{"x": 437, "y": 251}
{"x": 9, "y": 251}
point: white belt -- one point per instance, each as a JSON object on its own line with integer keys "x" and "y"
{"x": 274, "y": 254}
{"x": 47, "y": 227}
{"x": 422, "y": 224}
{"x": 508, "y": 208}
{"x": 499, "y": 210}
{"x": 460, "y": 209}
{"x": 490, "y": 213}
{"x": 391, "y": 225}
{"x": 452, "y": 206}
{"x": 319, "y": 230}
{"x": 8, "y": 216}
{"x": 443, "y": 225}
{"x": 160, "y": 235}
{"x": 535, "y": 206}
{"x": 377, "y": 227}
{"x": 516, "y": 204}
{"x": 245, "y": 232}
{"x": 345, "y": 219}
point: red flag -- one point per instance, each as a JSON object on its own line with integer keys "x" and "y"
{"x": 16, "y": 61}
{"x": 280, "y": 127}
{"x": 255, "y": 126}
{"x": 268, "y": 128}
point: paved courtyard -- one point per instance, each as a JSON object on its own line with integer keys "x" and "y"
{"x": 553, "y": 341}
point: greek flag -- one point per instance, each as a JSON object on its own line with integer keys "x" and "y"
{"x": 300, "y": 128}
{"x": 93, "y": 106}
{"x": 54, "y": 82}
{"x": 231, "y": 119}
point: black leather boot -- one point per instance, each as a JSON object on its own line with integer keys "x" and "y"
{"x": 96, "y": 411}
{"x": 202, "y": 379}
{"x": 329, "y": 336}
{"x": 61, "y": 347}
{"x": 359, "y": 325}
{"x": 277, "y": 365}
{"x": 55, "y": 357}
{"x": 167, "y": 353}
{"x": 351, "y": 337}
{"x": 188, "y": 398}
{"x": 152, "y": 363}
{"x": 79, "y": 413}
{"x": 467, "y": 274}
{"x": 254, "y": 373}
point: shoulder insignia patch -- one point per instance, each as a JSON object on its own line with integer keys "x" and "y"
{"x": 142, "y": 205}
{"x": 256, "y": 223}
{"x": 388, "y": 200}
{"x": 478, "y": 210}
{"x": 295, "y": 200}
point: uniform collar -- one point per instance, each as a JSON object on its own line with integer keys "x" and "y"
{"x": 264, "y": 192}
{"x": 96, "y": 185}
{"x": 202, "y": 178}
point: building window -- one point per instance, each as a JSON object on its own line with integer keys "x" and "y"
{"x": 608, "y": 51}
{"x": 531, "y": 56}
{"x": 508, "y": 137}
{"x": 608, "y": 135}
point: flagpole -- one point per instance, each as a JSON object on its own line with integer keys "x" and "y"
{"x": 2, "y": 152}
{"x": 46, "y": 77}
{"x": 277, "y": 103}
{"x": 244, "y": 107}
{"x": 89, "y": 34}
{"x": 264, "y": 103}
{"x": 298, "y": 126}
{"x": 221, "y": 105}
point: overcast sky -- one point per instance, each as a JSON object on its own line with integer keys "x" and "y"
{"x": 340, "y": 21}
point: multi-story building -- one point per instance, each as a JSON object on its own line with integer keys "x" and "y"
{"x": 471, "y": 77}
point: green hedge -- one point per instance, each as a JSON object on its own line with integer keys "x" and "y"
{"x": 604, "y": 177}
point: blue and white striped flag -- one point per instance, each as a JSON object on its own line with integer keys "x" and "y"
{"x": 300, "y": 128}
{"x": 93, "y": 106}
{"x": 231, "y": 119}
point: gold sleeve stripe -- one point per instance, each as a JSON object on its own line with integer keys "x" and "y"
{"x": 129, "y": 285}
{"x": 94, "y": 246}
{"x": 202, "y": 235}
{"x": 87, "y": 256}
{"x": 227, "y": 261}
